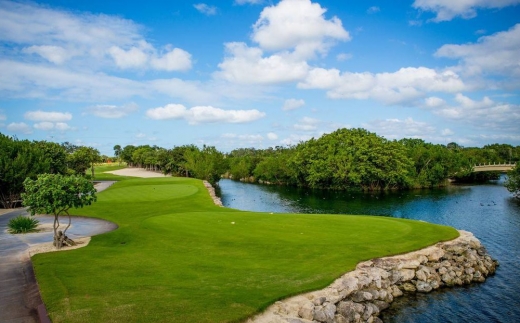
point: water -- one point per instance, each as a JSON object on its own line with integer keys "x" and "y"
{"x": 488, "y": 211}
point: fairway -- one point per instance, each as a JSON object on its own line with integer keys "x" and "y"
{"x": 176, "y": 257}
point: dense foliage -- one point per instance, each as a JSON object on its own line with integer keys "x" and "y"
{"x": 21, "y": 159}
{"x": 22, "y": 224}
{"x": 513, "y": 181}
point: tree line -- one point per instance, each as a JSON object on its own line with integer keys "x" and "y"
{"x": 344, "y": 159}
{"x": 21, "y": 159}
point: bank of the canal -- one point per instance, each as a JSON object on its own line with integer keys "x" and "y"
{"x": 488, "y": 211}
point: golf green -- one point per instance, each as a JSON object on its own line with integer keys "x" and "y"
{"x": 176, "y": 257}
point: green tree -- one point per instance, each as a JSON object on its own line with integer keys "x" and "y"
{"x": 117, "y": 153}
{"x": 19, "y": 159}
{"x": 55, "y": 194}
{"x": 207, "y": 163}
{"x": 513, "y": 181}
{"x": 82, "y": 159}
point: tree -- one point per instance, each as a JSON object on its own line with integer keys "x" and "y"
{"x": 207, "y": 164}
{"x": 513, "y": 181}
{"x": 19, "y": 159}
{"x": 82, "y": 159}
{"x": 117, "y": 152}
{"x": 55, "y": 194}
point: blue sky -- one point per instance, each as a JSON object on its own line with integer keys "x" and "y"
{"x": 253, "y": 73}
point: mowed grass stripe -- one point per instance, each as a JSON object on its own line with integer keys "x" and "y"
{"x": 181, "y": 259}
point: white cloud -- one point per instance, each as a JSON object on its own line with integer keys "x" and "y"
{"x": 45, "y": 125}
{"x": 294, "y": 139}
{"x": 447, "y": 132}
{"x": 246, "y": 65}
{"x": 307, "y": 124}
{"x": 132, "y": 58}
{"x": 112, "y": 111}
{"x": 483, "y": 114}
{"x": 298, "y": 25}
{"x": 497, "y": 53}
{"x": 19, "y": 127}
{"x": 402, "y": 86}
{"x": 397, "y": 129}
{"x": 292, "y": 104}
{"x": 447, "y": 9}
{"x": 204, "y": 114}
{"x": 272, "y": 136}
{"x": 344, "y": 57}
{"x": 373, "y": 10}
{"x": 48, "y": 126}
{"x": 62, "y": 126}
{"x": 433, "y": 102}
{"x": 55, "y": 54}
{"x": 3, "y": 117}
{"x": 242, "y": 2}
{"x": 205, "y": 9}
{"x": 243, "y": 137}
{"x": 174, "y": 60}
{"x": 47, "y": 116}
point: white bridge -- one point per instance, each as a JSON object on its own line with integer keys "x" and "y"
{"x": 493, "y": 167}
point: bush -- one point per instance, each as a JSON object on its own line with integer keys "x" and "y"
{"x": 22, "y": 224}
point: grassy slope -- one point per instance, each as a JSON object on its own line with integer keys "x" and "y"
{"x": 178, "y": 258}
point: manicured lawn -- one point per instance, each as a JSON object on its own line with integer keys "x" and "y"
{"x": 178, "y": 258}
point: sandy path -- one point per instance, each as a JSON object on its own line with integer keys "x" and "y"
{"x": 136, "y": 172}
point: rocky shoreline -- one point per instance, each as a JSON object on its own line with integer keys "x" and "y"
{"x": 360, "y": 295}
{"x": 211, "y": 191}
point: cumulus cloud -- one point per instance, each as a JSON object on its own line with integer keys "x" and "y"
{"x": 299, "y": 25}
{"x": 246, "y": 65}
{"x": 495, "y": 54}
{"x": 131, "y": 58}
{"x": 111, "y": 111}
{"x": 205, "y": 9}
{"x": 242, "y": 2}
{"x": 402, "y": 86}
{"x": 19, "y": 127}
{"x": 292, "y": 104}
{"x": 343, "y": 57}
{"x": 82, "y": 39}
{"x": 307, "y": 124}
{"x": 55, "y": 54}
{"x": 294, "y": 139}
{"x": 174, "y": 60}
{"x": 40, "y": 115}
{"x": 203, "y": 114}
{"x": 272, "y": 136}
{"x": 446, "y": 10}
{"x": 397, "y": 128}
{"x": 484, "y": 113}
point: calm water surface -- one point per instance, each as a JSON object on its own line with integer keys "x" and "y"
{"x": 488, "y": 211}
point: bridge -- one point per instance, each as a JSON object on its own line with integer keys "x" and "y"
{"x": 493, "y": 167}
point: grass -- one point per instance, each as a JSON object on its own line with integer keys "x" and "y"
{"x": 22, "y": 224}
{"x": 178, "y": 258}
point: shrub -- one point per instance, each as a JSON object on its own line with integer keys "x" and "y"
{"x": 22, "y": 224}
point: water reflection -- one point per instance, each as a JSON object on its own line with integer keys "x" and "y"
{"x": 487, "y": 210}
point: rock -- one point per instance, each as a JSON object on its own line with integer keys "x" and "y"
{"x": 360, "y": 295}
{"x": 409, "y": 287}
{"x": 325, "y": 313}
{"x": 406, "y": 274}
{"x": 307, "y": 311}
{"x": 423, "y": 287}
{"x": 349, "y": 310}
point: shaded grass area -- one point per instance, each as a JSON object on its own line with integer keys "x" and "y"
{"x": 176, "y": 257}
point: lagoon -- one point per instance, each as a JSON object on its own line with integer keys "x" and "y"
{"x": 488, "y": 211}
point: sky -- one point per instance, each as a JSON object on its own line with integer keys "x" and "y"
{"x": 253, "y": 73}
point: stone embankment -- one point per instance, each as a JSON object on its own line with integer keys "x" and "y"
{"x": 360, "y": 295}
{"x": 211, "y": 191}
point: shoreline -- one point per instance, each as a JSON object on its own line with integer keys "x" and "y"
{"x": 360, "y": 295}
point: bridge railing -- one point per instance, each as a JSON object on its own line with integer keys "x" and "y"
{"x": 495, "y": 164}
